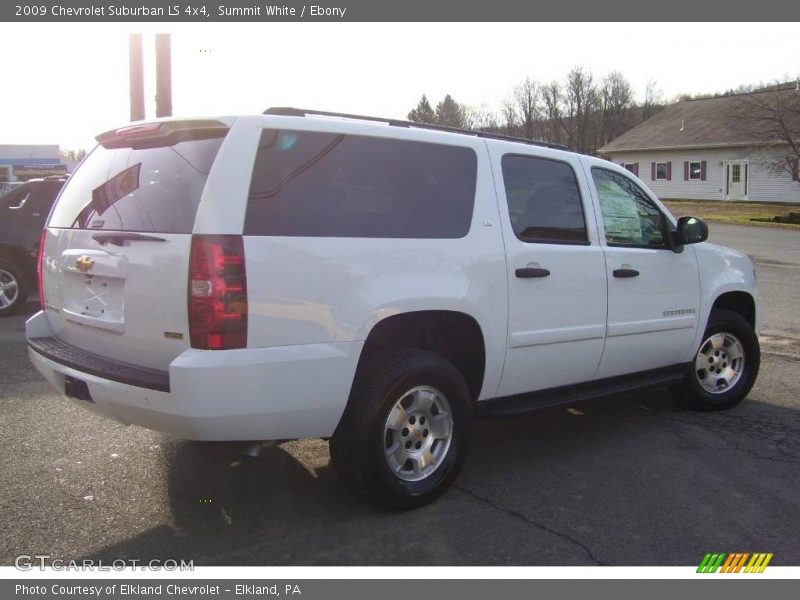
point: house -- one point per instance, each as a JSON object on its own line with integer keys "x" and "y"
{"x": 705, "y": 149}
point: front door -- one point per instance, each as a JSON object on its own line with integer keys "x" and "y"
{"x": 556, "y": 275}
{"x": 736, "y": 173}
{"x": 653, "y": 292}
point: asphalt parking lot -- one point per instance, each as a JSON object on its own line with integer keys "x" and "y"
{"x": 629, "y": 480}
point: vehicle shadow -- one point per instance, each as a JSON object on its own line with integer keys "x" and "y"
{"x": 632, "y": 479}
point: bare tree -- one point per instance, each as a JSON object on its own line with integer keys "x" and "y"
{"x": 616, "y": 99}
{"x": 653, "y": 98}
{"x": 553, "y": 100}
{"x": 581, "y": 104}
{"x": 73, "y": 155}
{"x": 526, "y": 99}
{"x": 509, "y": 115}
{"x": 771, "y": 120}
{"x": 480, "y": 119}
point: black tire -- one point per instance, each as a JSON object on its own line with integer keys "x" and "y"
{"x": 357, "y": 445}
{"x": 692, "y": 393}
{"x": 11, "y": 268}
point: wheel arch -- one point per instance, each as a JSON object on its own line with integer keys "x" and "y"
{"x": 16, "y": 253}
{"x": 455, "y": 335}
{"x": 740, "y": 302}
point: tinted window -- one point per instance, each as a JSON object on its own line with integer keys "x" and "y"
{"x": 44, "y": 195}
{"x": 543, "y": 200}
{"x": 324, "y": 185}
{"x": 629, "y": 217}
{"x": 124, "y": 189}
{"x": 18, "y": 197}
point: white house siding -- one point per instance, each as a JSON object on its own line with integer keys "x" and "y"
{"x": 764, "y": 185}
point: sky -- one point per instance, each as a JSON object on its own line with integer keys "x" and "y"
{"x": 65, "y": 83}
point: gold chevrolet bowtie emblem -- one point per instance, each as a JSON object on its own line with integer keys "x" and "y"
{"x": 84, "y": 263}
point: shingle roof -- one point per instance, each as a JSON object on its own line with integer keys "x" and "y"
{"x": 696, "y": 123}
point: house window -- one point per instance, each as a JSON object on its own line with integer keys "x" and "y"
{"x": 695, "y": 170}
{"x": 630, "y": 166}
{"x": 661, "y": 170}
{"x": 736, "y": 173}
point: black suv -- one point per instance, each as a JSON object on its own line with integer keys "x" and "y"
{"x": 23, "y": 212}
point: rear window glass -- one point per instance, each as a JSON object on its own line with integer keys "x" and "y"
{"x": 124, "y": 189}
{"x": 333, "y": 185}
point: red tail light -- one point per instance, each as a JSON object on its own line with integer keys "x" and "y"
{"x": 217, "y": 293}
{"x": 39, "y": 265}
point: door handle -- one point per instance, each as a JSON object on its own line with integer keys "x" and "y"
{"x": 532, "y": 272}
{"x": 623, "y": 273}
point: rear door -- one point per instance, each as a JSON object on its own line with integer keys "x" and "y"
{"x": 556, "y": 274}
{"x": 117, "y": 247}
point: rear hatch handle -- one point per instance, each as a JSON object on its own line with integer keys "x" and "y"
{"x": 119, "y": 239}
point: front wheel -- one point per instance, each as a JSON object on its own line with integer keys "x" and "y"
{"x": 405, "y": 432}
{"x": 725, "y": 366}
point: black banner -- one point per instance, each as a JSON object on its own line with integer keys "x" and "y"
{"x": 397, "y": 589}
{"x": 396, "y": 10}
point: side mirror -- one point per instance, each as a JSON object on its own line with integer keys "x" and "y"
{"x": 691, "y": 230}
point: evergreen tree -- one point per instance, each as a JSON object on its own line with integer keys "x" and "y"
{"x": 449, "y": 113}
{"x": 423, "y": 113}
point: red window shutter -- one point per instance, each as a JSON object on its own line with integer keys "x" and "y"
{"x": 652, "y": 171}
{"x": 669, "y": 171}
{"x": 702, "y": 170}
{"x": 686, "y": 170}
{"x": 636, "y": 169}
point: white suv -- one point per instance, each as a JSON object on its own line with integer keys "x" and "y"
{"x": 379, "y": 283}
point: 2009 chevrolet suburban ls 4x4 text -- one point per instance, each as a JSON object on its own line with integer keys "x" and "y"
{"x": 295, "y": 274}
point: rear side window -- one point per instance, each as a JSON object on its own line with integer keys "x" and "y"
{"x": 18, "y": 197}
{"x": 316, "y": 184}
{"x": 544, "y": 202}
{"x": 155, "y": 189}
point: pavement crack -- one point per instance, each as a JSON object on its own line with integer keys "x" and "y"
{"x": 522, "y": 517}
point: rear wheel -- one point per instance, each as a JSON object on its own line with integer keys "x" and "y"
{"x": 725, "y": 366}
{"x": 405, "y": 432}
{"x": 13, "y": 288}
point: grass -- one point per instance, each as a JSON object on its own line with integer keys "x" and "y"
{"x": 718, "y": 211}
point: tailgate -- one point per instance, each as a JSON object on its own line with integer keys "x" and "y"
{"x": 116, "y": 253}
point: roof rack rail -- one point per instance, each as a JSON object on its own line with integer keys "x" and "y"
{"x": 289, "y": 111}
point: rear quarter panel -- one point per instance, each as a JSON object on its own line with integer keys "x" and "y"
{"x": 311, "y": 290}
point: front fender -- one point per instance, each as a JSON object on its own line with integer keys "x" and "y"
{"x": 722, "y": 270}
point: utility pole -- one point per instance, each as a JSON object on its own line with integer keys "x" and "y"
{"x": 163, "y": 76}
{"x": 136, "y": 77}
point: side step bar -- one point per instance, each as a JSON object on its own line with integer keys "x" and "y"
{"x": 521, "y": 403}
